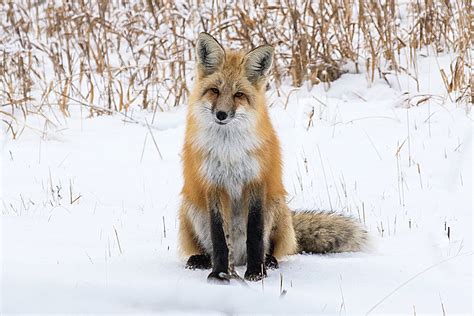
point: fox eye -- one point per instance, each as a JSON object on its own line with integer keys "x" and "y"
{"x": 238, "y": 95}
{"x": 215, "y": 90}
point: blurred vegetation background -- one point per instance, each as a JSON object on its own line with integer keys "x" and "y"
{"x": 101, "y": 57}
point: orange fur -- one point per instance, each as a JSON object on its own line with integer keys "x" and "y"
{"x": 231, "y": 81}
{"x": 196, "y": 188}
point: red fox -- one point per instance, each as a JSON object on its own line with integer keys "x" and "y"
{"x": 233, "y": 207}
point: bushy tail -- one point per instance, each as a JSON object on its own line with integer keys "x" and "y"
{"x": 319, "y": 232}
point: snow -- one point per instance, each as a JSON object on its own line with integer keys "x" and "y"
{"x": 89, "y": 210}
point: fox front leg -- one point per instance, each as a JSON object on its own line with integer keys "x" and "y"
{"x": 255, "y": 227}
{"x": 220, "y": 251}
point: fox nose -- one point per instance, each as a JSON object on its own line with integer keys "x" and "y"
{"x": 221, "y": 115}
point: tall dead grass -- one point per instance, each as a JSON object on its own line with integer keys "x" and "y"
{"x": 110, "y": 56}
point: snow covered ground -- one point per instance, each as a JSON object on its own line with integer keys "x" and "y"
{"x": 89, "y": 210}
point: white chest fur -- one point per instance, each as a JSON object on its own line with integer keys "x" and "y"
{"x": 229, "y": 161}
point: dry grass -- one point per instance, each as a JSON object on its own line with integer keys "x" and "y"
{"x": 109, "y": 56}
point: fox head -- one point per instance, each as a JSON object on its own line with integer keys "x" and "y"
{"x": 229, "y": 83}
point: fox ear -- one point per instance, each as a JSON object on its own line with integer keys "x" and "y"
{"x": 210, "y": 54}
{"x": 258, "y": 63}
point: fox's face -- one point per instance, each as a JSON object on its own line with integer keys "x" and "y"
{"x": 228, "y": 82}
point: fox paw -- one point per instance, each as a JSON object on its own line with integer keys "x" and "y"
{"x": 255, "y": 275}
{"x": 198, "y": 262}
{"x": 218, "y": 278}
{"x": 271, "y": 262}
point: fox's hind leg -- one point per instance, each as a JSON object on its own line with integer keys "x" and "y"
{"x": 283, "y": 238}
{"x": 188, "y": 242}
{"x": 271, "y": 262}
{"x": 199, "y": 262}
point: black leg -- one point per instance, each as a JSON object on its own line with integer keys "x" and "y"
{"x": 220, "y": 252}
{"x": 199, "y": 262}
{"x": 255, "y": 267}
